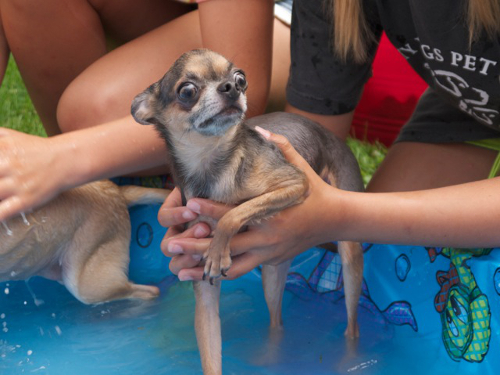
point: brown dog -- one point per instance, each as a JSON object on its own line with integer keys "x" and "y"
{"x": 198, "y": 107}
{"x": 81, "y": 238}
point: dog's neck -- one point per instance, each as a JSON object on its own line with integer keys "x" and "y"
{"x": 199, "y": 160}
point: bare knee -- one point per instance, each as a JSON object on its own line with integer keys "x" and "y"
{"x": 86, "y": 103}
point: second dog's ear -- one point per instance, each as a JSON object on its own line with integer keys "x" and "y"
{"x": 143, "y": 107}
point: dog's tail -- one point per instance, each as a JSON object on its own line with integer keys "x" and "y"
{"x": 135, "y": 195}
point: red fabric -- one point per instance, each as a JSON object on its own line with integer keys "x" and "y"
{"x": 389, "y": 97}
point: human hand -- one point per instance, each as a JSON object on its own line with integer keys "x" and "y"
{"x": 275, "y": 240}
{"x": 173, "y": 215}
{"x": 32, "y": 171}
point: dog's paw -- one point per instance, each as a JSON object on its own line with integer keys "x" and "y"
{"x": 217, "y": 263}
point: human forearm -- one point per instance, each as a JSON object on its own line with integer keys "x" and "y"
{"x": 33, "y": 170}
{"x": 339, "y": 125}
{"x": 459, "y": 216}
{"x": 117, "y": 148}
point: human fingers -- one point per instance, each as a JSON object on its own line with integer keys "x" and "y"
{"x": 11, "y": 206}
{"x": 172, "y": 213}
{"x": 181, "y": 244}
{"x": 208, "y": 208}
{"x": 193, "y": 273}
{"x": 18, "y": 195}
{"x": 241, "y": 265}
{"x": 287, "y": 149}
{"x": 183, "y": 262}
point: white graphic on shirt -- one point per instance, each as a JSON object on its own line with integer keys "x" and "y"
{"x": 470, "y": 100}
{"x": 406, "y": 50}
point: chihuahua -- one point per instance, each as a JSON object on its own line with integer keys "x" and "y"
{"x": 198, "y": 108}
{"x": 81, "y": 239}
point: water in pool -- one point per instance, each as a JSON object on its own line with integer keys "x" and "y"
{"x": 46, "y": 331}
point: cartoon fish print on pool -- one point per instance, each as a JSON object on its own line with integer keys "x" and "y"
{"x": 464, "y": 309}
{"x": 326, "y": 283}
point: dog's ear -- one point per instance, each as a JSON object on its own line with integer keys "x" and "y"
{"x": 143, "y": 107}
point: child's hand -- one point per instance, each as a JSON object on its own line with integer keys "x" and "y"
{"x": 32, "y": 171}
{"x": 273, "y": 241}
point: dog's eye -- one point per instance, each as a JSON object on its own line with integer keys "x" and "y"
{"x": 241, "y": 81}
{"x": 187, "y": 91}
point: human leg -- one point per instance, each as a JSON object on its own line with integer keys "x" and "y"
{"x": 55, "y": 40}
{"x": 415, "y": 166}
{"x": 432, "y": 151}
{"x": 104, "y": 91}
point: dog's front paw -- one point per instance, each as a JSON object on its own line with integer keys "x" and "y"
{"x": 217, "y": 260}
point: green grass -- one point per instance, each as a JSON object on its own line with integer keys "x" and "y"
{"x": 369, "y": 156}
{"x": 17, "y": 112}
{"x": 16, "y": 109}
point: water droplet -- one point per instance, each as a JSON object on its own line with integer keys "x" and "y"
{"x": 30, "y": 352}
{"x": 38, "y": 302}
{"x": 6, "y": 291}
{"x": 58, "y": 330}
{"x": 7, "y": 229}
{"x": 2, "y": 316}
{"x": 25, "y": 220}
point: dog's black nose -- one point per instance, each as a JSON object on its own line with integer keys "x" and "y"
{"x": 229, "y": 89}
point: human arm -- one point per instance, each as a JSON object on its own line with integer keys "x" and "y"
{"x": 122, "y": 146}
{"x": 463, "y": 215}
{"x": 339, "y": 125}
{"x": 33, "y": 169}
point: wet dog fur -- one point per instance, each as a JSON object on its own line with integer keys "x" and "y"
{"x": 81, "y": 239}
{"x": 198, "y": 108}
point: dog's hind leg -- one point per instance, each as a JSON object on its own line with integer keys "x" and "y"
{"x": 273, "y": 281}
{"x": 351, "y": 254}
{"x": 103, "y": 276}
{"x": 207, "y": 326}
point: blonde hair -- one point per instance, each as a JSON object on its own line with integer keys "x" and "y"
{"x": 352, "y": 33}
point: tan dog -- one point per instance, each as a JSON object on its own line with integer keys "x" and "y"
{"x": 81, "y": 239}
{"x": 198, "y": 107}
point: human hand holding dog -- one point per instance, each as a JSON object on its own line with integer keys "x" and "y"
{"x": 280, "y": 238}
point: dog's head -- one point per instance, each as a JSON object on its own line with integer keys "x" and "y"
{"x": 201, "y": 92}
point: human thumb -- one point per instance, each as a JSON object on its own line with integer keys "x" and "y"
{"x": 286, "y": 148}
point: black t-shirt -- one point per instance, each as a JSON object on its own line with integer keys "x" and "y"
{"x": 431, "y": 35}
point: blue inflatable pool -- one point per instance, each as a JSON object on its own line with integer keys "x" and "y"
{"x": 422, "y": 311}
